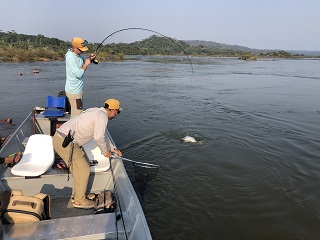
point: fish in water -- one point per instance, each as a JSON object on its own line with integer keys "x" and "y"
{"x": 189, "y": 139}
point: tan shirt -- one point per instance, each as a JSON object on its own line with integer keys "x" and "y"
{"x": 91, "y": 124}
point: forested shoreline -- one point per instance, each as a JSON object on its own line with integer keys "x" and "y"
{"x": 16, "y": 47}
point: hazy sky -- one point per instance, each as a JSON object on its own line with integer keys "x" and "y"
{"x": 262, "y": 24}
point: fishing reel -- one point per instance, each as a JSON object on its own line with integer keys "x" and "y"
{"x": 95, "y": 61}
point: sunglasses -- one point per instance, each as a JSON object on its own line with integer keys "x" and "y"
{"x": 117, "y": 110}
{"x": 85, "y": 43}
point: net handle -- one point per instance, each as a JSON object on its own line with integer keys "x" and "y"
{"x": 142, "y": 163}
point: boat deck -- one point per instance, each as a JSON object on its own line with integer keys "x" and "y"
{"x": 99, "y": 226}
{"x": 79, "y": 222}
{"x": 56, "y": 184}
{"x": 62, "y": 208}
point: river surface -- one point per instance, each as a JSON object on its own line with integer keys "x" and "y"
{"x": 254, "y": 172}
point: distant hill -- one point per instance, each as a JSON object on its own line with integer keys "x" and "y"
{"x": 223, "y": 46}
{"x": 304, "y": 52}
{"x": 237, "y": 48}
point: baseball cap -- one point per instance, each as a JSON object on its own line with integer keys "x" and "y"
{"x": 80, "y": 44}
{"x": 113, "y": 104}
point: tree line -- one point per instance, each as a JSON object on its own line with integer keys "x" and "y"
{"x": 22, "y": 47}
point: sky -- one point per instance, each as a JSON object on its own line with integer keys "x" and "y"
{"x": 260, "y": 24}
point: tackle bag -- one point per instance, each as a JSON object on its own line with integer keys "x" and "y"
{"x": 25, "y": 209}
{"x": 104, "y": 202}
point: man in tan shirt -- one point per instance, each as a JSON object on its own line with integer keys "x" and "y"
{"x": 90, "y": 124}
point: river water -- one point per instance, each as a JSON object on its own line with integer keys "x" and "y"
{"x": 254, "y": 172}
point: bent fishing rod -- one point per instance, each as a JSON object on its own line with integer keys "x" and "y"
{"x": 148, "y": 30}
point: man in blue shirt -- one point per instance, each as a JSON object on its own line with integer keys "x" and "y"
{"x": 76, "y": 65}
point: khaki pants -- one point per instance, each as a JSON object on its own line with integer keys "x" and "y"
{"x": 75, "y": 101}
{"x": 80, "y": 166}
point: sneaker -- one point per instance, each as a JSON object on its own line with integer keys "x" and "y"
{"x": 90, "y": 196}
{"x": 85, "y": 203}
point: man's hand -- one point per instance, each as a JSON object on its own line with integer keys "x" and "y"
{"x": 107, "y": 154}
{"x": 92, "y": 56}
{"x": 118, "y": 152}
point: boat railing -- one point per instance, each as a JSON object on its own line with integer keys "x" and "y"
{"x": 17, "y": 140}
{"x": 129, "y": 200}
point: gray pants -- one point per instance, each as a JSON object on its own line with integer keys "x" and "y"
{"x": 80, "y": 167}
{"x": 76, "y": 103}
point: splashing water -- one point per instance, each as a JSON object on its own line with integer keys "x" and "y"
{"x": 189, "y": 139}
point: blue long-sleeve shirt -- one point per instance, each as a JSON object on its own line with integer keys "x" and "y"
{"x": 74, "y": 72}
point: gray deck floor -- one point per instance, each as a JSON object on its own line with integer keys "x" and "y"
{"x": 62, "y": 208}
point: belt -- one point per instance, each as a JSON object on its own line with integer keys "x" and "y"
{"x": 60, "y": 134}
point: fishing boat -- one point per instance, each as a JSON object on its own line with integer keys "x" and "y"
{"x": 126, "y": 222}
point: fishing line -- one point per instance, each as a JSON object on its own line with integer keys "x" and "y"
{"x": 155, "y": 32}
{"x": 149, "y": 30}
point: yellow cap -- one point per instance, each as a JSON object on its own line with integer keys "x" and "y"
{"x": 80, "y": 44}
{"x": 112, "y": 104}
